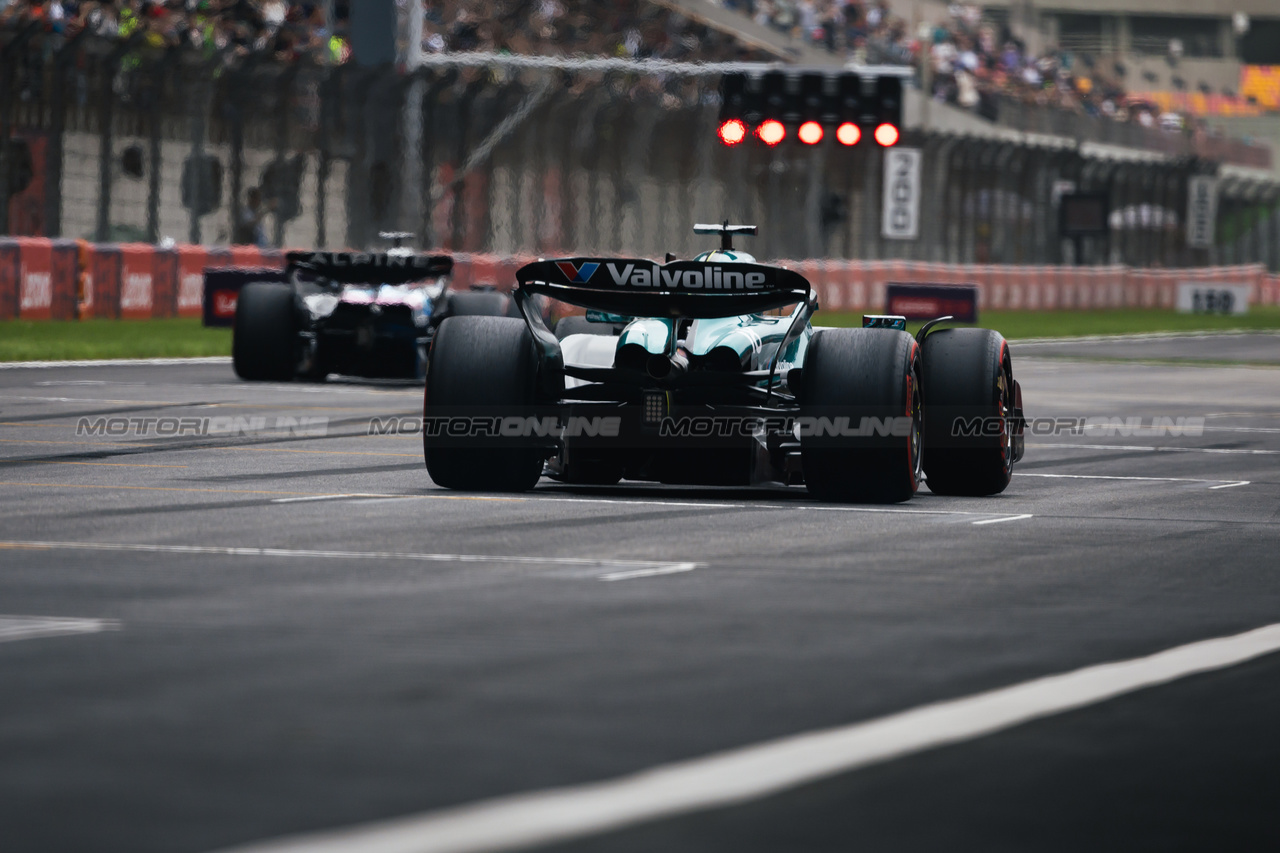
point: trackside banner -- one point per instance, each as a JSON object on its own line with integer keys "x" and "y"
{"x": 637, "y": 275}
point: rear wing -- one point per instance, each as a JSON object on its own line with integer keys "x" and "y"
{"x": 643, "y": 288}
{"x": 395, "y": 267}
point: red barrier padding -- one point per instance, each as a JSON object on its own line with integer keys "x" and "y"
{"x": 137, "y": 275}
{"x": 507, "y": 267}
{"x": 461, "y": 278}
{"x": 60, "y": 279}
{"x": 816, "y": 273}
{"x": 246, "y": 256}
{"x": 9, "y": 270}
{"x": 272, "y": 259}
{"x": 66, "y": 279}
{"x": 856, "y": 298}
{"x": 164, "y": 283}
{"x": 35, "y": 278}
{"x": 103, "y": 286}
{"x": 191, "y": 263}
{"x": 486, "y": 271}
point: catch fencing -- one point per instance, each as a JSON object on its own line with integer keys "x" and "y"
{"x": 115, "y": 142}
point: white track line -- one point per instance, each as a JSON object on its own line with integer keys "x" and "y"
{"x": 115, "y": 362}
{"x": 673, "y": 569}
{"x": 1243, "y": 451}
{"x": 365, "y": 495}
{"x": 1006, "y": 518}
{"x": 1225, "y": 484}
{"x": 30, "y": 627}
{"x": 741, "y": 775}
{"x": 1143, "y": 336}
{"x": 650, "y": 566}
{"x": 1241, "y": 429}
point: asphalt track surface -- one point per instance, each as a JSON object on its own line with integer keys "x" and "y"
{"x": 361, "y": 669}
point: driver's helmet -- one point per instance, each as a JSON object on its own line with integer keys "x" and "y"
{"x": 731, "y": 256}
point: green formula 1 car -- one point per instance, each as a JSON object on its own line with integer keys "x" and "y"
{"x": 709, "y": 372}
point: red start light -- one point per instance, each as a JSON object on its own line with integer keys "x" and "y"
{"x": 848, "y": 133}
{"x": 810, "y": 133}
{"x": 887, "y": 135}
{"x": 771, "y": 132}
{"x": 733, "y": 131}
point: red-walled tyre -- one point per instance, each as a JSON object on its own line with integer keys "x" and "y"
{"x": 968, "y": 412}
{"x": 862, "y": 381}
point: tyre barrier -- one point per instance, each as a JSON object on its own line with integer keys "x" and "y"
{"x": 65, "y": 279}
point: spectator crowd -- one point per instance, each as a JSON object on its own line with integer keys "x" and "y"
{"x": 276, "y": 28}
{"x": 288, "y": 30}
{"x": 964, "y": 59}
{"x": 970, "y": 61}
{"x": 633, "y": 29}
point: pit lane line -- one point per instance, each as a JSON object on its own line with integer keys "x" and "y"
{"x": 1223, "y": 484}
{"x": 1237, "y": 450}
{"x": 32, "y": 627}
{"x": 753, "y": 772}
{"x": 116, "y": 362}
{"x": 623, "y": 569}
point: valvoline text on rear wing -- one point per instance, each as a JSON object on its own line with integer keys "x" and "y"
{"x": 370, "y": 267}
{"x": 678, "y": 289}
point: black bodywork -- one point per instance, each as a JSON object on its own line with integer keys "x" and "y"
{"x": 367, "y": 314}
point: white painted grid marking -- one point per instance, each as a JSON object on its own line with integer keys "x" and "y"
{"x": 115, "y": 362}
{"x": 1006, "y": 518}
{"x": 1152, "y": 448}
{"x": 673, "y": 569}
{"x": 311, "y": 498}
{"x": 31, "y": 627}
{"x": 753, "y": 772}
{"x": 1143, "y": 336}
{"x": 649, "y": 567}
{"x": 1224, "y": 484}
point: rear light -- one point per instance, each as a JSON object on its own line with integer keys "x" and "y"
{"x": 771, "y": 132}
{"x": 733, "y": 131}
{"x": 810, "y": 133}
{"x": 848, "y": 133}
{"x": 887, "y": 135}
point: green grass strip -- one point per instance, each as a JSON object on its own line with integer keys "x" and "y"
{"x": 44, "y": 340}
{"x": 35, "y": 340}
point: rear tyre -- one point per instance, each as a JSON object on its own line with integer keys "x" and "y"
{"x": 968, "y": 413}
{"x": 477, "y": 303}
{"x": 482, "y": 367}
{"x": 264, "y": 341}
{"x": 857, "y": 374}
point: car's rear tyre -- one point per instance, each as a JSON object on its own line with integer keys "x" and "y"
{"x": 968, "y": 412}
{"x": 264, "y": 341}
{"x": 477, "y": 303}
{"x": 857, "y": 374}
{"x": 482, "y": 367}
